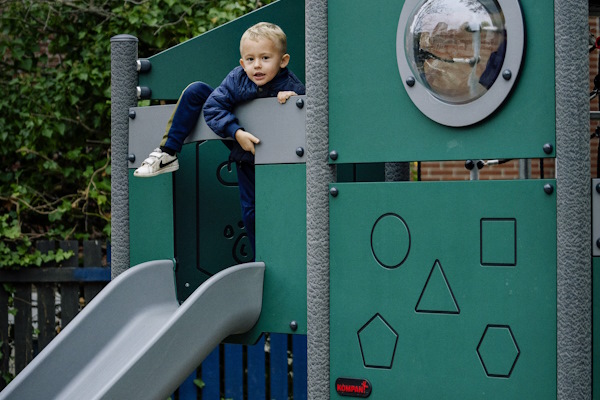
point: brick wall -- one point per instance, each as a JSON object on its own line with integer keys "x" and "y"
{"x": 455, "y": 170}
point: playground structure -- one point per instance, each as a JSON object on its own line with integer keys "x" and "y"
{"x": 404, "y": 289}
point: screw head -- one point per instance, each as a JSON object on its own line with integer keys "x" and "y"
{"x": 294, "y": 326}
{"x": 333, "y": 155}
{"x": 334, "y": 192}
{"x": 507, "y": 74}
{"x": 131, "y": 157}
{"x": 300, "y": 151}
{"x": 598, "y": 188}
{"x": 300, "y": 103}
{"x": 469, "y": 164}
{"x": 548, "y": 188}
{"x": 132, "y": 114}
{"x": 598, "y": 243}
{"x": 410, "y": 81}
{"x": 548, "y": 148}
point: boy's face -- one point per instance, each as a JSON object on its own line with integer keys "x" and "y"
{"x": 262, "y": 60}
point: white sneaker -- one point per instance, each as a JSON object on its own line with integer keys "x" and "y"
{"x": 158, "y": 162}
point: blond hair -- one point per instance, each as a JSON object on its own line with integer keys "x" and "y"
{"x": 266, "y": 30}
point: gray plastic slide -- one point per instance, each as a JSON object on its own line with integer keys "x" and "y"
{"x": 134, "y": 340}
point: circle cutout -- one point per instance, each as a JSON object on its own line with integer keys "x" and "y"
{"x": 390, "y": 240}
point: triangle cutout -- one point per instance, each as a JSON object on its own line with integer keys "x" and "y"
{"x": 436, "y": 296}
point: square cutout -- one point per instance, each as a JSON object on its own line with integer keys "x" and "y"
{"x": 498, "y": 242}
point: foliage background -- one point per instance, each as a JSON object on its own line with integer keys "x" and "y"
{"x": 55, "y": 108}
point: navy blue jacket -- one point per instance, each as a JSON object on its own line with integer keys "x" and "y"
{"x": 235, "y": 89}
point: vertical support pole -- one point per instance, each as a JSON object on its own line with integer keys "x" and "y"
{"x": 397, "y": 172}
{"x": 574, "y": 335}
{"x": 124, "y": 49}
{"x": 318, "y": 176}
{"x": 524, "y": 169}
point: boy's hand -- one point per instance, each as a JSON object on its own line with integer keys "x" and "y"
{"x": 246, "y": 140}
{"x": 284, "y": 96}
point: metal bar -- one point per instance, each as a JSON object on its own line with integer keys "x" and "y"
{"x": 124, "y": 78}
{"x": 58, "y": 275}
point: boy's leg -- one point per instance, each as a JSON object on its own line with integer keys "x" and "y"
{"x": 245, "y": 174}
{"x": 186, "y": 114}
{"x": 180, "y": 125}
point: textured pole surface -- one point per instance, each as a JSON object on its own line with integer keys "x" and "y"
{"x": 318, "y": 176}
{"x": 574, "y": 333}
{"x": 397, "y": 172}
{"x": 124, "y": 50}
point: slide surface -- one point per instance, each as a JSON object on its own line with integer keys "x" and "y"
{"x": 134, "y": 340}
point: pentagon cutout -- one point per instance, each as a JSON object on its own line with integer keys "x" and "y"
{"x": 377, "y": 340}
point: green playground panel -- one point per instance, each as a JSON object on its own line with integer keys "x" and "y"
{"x": 150, "y": 219}
{"x": 210, "y": 56}
{"x": 444, "y": 290}
{"x": 281, "y": 245}
{"x": 209, "y": 233}
{"x": 596, "y": 327}
{"x": 372, "y": 119}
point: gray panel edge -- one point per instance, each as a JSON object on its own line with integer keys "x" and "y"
{"x": 280, "y": 128}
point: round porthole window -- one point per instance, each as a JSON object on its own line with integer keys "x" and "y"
{"x": 459, "y": 59}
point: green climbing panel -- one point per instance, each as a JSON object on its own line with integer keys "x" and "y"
{"x": 596, "y": 328}
{"x": 444, "y": 290}
{"x": 150, "y": 206}
{"x": 209, "y": 232}
{"x": 281, "y": 244}
{"x": 372, "y": 118}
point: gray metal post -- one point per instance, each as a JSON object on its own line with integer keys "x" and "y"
{"x": 124, "y": 52}
{"x": 574, "y": 331}
{"x": 318, "y": 176}
{"x": 524, "y": 169}
{"x": 397, "y": 172}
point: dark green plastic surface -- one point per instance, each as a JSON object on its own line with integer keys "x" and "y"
{"x": 458, "y": 301}
{"x": 596, "y": 327}
{"x": 209, "y": 234}
{"x": 372, "y": 119}
{"x": 150, "y": 218}
{"x": 210, "y": 56}
{"x": 281, "y": 245}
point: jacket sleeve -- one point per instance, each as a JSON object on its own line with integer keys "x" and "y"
{"x": 218, "y": 109}
{"x": 296, "y": 84}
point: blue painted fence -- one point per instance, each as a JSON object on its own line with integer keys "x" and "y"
{"x": 276, "y": 371}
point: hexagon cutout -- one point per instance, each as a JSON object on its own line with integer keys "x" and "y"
{"x": 377, "y": 341}
{"x": 498, "y": 351}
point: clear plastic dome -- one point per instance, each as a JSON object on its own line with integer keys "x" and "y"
{"x": 456, "y": 48}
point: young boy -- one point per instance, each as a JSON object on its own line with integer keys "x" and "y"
{"x": 262, "y": 73}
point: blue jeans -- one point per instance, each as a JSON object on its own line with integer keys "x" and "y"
{"x": 245, "y": 175}
{"x": 186, "y": 115}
